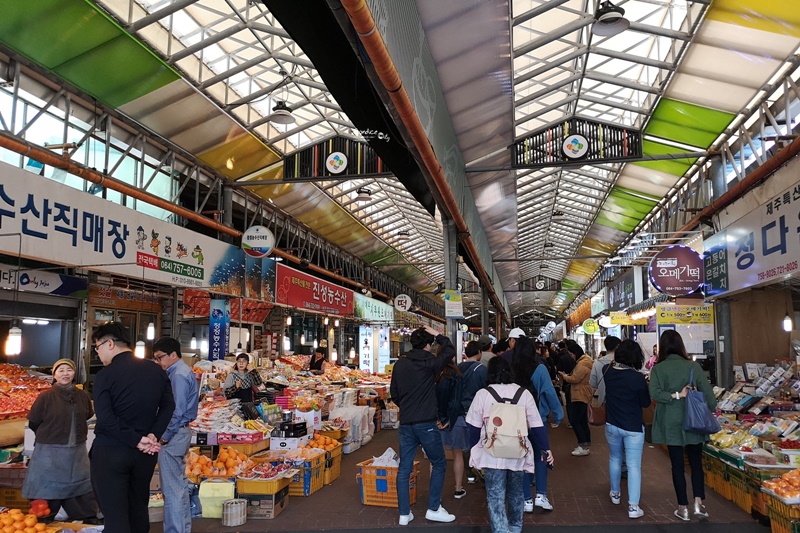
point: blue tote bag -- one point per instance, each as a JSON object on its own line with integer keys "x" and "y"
{"x": 699, "y": 418}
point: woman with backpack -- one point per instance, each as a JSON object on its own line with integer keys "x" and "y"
{"x": 500, "y": 418}
{"x": 451, "y": 424}
{"x": 531, "y": 372}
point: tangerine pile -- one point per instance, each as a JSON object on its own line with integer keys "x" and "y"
{"x": 16, "y": 521}
{"x": 228, "y": 463}
{"x": 322, "y": 443}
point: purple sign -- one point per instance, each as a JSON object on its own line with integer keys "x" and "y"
{"x": 677, "y": 270}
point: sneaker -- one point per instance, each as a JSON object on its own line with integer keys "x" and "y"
{"x": 406, "y": 518}
{"x": 634, "y": 511}
{"x": 615, "y": 497}
{"x": 580, "y": 452}
{"x": 528, "y": 506}
{"x": 543, "y": 502}
{"x": 459, "y": 494}
{"x": 682, "y": 514}
{"x": 440, "y": 515}
{"x": 700, "y": 511}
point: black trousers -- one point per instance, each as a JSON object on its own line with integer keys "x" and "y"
{"x": 121, "y": 480}
{"x": 82, "y": 507}
{"x": 695, "y": 454}
{"x": 579, "y": 419}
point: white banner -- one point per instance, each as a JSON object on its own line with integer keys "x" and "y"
{"x": 69, "y": 227}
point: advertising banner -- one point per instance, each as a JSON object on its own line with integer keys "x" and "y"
{"x": 365, "y": 362}
{"x": 304, "y": 291}
{"x": 197, "y": 304}
{"x": 383, "y": 349}
{"x": 69, "y": 227}
{"x": 218, "y": 328}
{"x": 42, "y": 282}
{"x": 684, "y": 314}
{"x": 626, "y": 290}
{"x": 453, "y": 306}
{"x": 621, "y": 318}
{"x": 758, "y": 248}
{"x": 372, "y": 309}
{"x": 676, "y": 270}
{"x": 600, "y": 301}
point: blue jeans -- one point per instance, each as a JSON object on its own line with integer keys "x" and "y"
{"x": 412, "y": 436}
{"x": 633, "y": 442}
{"x": 174, "y": 484}
{"x": 504, "y": 486}
{"x": 540, "y": 474}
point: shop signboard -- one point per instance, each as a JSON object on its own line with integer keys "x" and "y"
{"x": 453, "y": 305}
{"x": 676, "y": 270}
{"x": 219, "y": 326}
{"x": 383, "y": 349}
{"x": 258, "y": 242}
{"x": 303, "y": 291}
{"x": 626, "y": 290}
{"x": 759, "y": 248}
{"x": 123, "y": 299}
{"x": 402, "y": 302}
{"x": 590, "y": 326}
{"x": 372, "y": 309}
{"x": 197, "y": 304}
{"x": 600, "y": 301}
{"x": 621, "y": 318}
{"x": 684, "y": 314}
{"x": 66, "y": 226}
{"x": 42, "y": 282}
{"x": 365, "y": 353}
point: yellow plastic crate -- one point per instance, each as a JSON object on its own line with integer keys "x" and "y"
{"x": 333, "y": 469}
{"x": 379, "y": 484}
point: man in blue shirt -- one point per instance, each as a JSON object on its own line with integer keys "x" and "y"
{"x": 176, "y": 439}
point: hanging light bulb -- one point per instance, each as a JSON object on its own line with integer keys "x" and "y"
{"x": 352, "y": 353}
{"x": 302, "y": 338}
{"x": 14, "y": 340}
{"x": 315, "y": 344}
{"x": 787, "y": 323}
{"x": 139, "y": 350}
{"x": 286, "y": 344}
{"x": 325, "y": 321}
{"x": 336, "y": 322}
{"x": 288, "y": 321}
{"x": 334, "y": 355}
{"x": 204, "y": 346}
{"x": 239, "y": 348}
{"x": 193, "y": 343}
{"x": 151, "y": 331}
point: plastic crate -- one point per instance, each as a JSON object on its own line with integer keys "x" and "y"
{"x": 783, "y": 509}
{"x": 758, "y": 499}
{"x": 332, "y": 470}
{"x": 740, "y": 490}
{"x": 378, "y": 484}
{"x": 782, "y": 524}
{"x": 306, "y": 482}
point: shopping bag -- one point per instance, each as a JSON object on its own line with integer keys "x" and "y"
{"x": 699, "y": 418}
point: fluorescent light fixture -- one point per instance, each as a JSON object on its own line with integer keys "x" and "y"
{"x": 42, "y": 322}
{"x": 29, "y": 321}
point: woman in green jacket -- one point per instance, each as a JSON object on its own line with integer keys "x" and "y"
{"x": 669, "y": 382}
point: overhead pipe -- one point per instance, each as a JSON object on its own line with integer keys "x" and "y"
{"x": 370, "y": 37}
{"x": 47, "y": 157}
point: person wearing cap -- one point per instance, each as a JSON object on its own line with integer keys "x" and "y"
{"x": 134, "y": 404}
{"x": 176, "y": 439}
{"x": 59, "y": 467}
{"x": 315, "y": 363}
{"x": 485, "y": 344}
{"x": 513, "y": 335}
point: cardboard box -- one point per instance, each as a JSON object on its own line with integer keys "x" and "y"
{"x": 155, "y": 481}
{"x": 266, "y": 506}
{"x": 313, "y": 419}
{"x": 281, "y": 443}
{"x": 204, "y": 439}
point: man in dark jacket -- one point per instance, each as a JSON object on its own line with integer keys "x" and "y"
{"x": 414, "y": 391}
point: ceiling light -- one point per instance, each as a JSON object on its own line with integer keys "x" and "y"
{"x": 193, "y": 343}
{"x": 138, "y": 351}
{"x": 29, "y": 321}
{"x": 403, "y": 236}
{"x": 558, "y": 215}
{"x": 787, "y": 323}
{"x": 151, "y": 331}
{"x": 549, "y": 245}
{"x": 544, "y": 265}
{"x": 610, "y": 20}
{"x": 14, "y": 339}
{"x": 363, "y": 194}
{"x": 281, "y": 114}
{"x": 42, "y": 322}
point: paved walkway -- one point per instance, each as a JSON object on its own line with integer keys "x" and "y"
{"x": 578, "y": 489}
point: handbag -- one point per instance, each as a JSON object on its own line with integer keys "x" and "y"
{"x": 699, "y": 418}
{"x": 597, "y": 413}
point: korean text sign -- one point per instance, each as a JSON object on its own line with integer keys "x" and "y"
{"x": 762, "y": 246}
{"x": 219, "y": 327}
{"x": 303, "y": 291}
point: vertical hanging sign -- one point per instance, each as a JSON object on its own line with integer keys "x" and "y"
{"x": 365, "y": 363}
{"x": 219, "y": 327}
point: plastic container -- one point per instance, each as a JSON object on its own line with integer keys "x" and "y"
{"x": 213, "y": 493}
{"x": 379, "y": 484}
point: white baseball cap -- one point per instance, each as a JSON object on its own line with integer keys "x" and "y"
{"x": 516, "y": 333}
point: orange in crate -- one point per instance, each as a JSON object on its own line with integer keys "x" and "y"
{"x": 379, "y": 484}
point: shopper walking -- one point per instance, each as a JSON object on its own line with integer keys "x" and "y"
{"x": 669, "y": 382}
{"x": 59, "y": 467}
{"x": 134, "y": 404}
{"x": 530, "y": 372}
{"x": 485, "y": 342}
{"x": 580, "y": 394}
{"x": 176, "y": 439}
{"x": 414, "y": 391}
{"x": 449, "y": 391}
{"x": 473, "y": 375}
{"x": 598, "y": 385}
{"x": 625, "y": 396}
{"x": 504, "y": 477}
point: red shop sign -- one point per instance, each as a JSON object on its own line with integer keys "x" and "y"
{"x": 677, "y": 270}
{"x": 196, "y": 305}
{"x": 296, "y": 289}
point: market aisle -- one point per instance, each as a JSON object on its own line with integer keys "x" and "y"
{"x": 578, "y": 490}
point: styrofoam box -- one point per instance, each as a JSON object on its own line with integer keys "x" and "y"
{"x": 288, "y": 443}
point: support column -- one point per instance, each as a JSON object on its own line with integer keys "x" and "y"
{"x": 451, "y": 270}
{"x": 227, "y": 212}
{"x": 716, "y": 173}
{"x": 724, "y": 344}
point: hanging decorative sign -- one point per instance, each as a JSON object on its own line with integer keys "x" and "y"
{"x": 402, "y": 302}
{"x": 590, "y": 326}
{"x": 258, "y": 242}
{"x": 550, "y": 327}
{"x": 336, "y": 163}
{"x": 575, "y": 146}
{"x": 219, "y": 329}
{"x": 677, "y": 270}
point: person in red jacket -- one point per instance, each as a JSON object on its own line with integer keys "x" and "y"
{"x": 414, "y": 391}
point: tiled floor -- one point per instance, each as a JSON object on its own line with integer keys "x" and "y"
{"x": 578, "y": 488}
